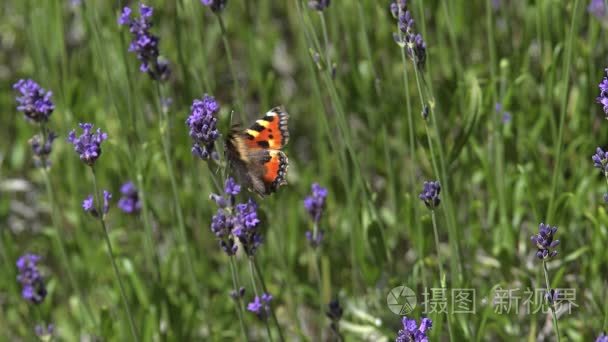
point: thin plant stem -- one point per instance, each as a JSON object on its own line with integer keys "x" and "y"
{"x": 317, "y": 267}
{"x": 441, "y": 271}
{"x": 562, "y": 116}
{"x": 261, "y": 279}
{"x": 102, "y": 221}
{"x": 239, "y": 304}
{"x": 237, "y": 89}
{"x": 164, "y": 128}
{"x": 58, "y": 234}
{"x": 255, "y": 291}
{"x": 551, "y": 302}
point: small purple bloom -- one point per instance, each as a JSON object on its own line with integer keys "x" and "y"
{"x": 597, "y": 8}
{"x": 505, "y": 116}
{"x": 35, "y": 102}
{"x": 215, "y": 5}
{"x": 318, "y": 5}
{"x": 603, "y": 98}
{"x": 88, "y": 205}
{"x": 202, "y": 123}
{"x": 411, "y": 332}
{"x": 33, "y": 288}
{"x": 45, "y": 333}
{"x": 88, "y": 144}
{"x": 315, "y": 203}
{"x": 246, "y": 224}
{"x": 260, "y": 306}
{"x": 544, "y": 241}
{"x": 129, "y": 203}
{"x": 602, "y": 338}
{"x": 107, "y": 196}
{"x": 42, "y": 148}
{"x": 600, "y": 159}
{"x": 430, "y": 194}
{"x": 408, "y": 38}
{"x": 315, "y": 240}
{"x": 144, "y": 43}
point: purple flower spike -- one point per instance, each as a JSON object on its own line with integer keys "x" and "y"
{"x": 315, "y": 203}
{"x": 602, "y": 338}
{"x": 430, "y": 194}
{"x": 408, "y": 39}
{"x": 33, "y": 288}
{"x": 600, "y": 159}
{"x": 35, "y": 102}
{"x": 603, "y": 98}
{"x": 88, "y": 144}
{"x": 215, "y": 5}
{"x": 202, "y": 123}
{"x": 42, "y": 148}
{"x": 260, "y": 306}
{"x": 144, "y": 44}
{"x": 544, "y": 241}
{"x": 412, "y": 332}
{"x": 129, "y": 203}
{"x": 598, "y": 9}
{"x": 318, "y": 5}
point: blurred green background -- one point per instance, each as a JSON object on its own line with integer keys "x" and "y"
{"x": 350, "y": 132}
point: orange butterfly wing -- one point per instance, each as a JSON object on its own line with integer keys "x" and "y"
{"x": 270, "y": 132}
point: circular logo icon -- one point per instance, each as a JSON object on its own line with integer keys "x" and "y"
{"x": 401, "y": 300}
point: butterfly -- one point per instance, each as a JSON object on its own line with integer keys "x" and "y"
{"x": 255, "y": 155}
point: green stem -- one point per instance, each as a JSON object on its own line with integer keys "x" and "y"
{"x": 239, "y": 304}
{"x": 255, "y": 291}
{"x": 441, "y": 271}
{"x": 551, "y": 302}
{"x": 237, "y": 89}
{"x": 102, "y": 220}
{"x": 562, "y": 117}
{"x": 315, "y": 257}
{"x": 164, "y": 128}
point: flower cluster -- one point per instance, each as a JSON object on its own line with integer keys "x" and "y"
{"x": 42, "y": 148}
{"x": 35, "y": 102}
{"x": 236, "y": 221}
{"x": 407, "y": 37}
{"x": 597, "y": 8}
{"x": 30, "y": 278}
{"x": 412, "y": 332}
{"x": 260, "y": 306}
{"x": 430, "y": 194}
{"x": 88, "y": 144}
{"x": 129, "y": 203}
{"x": 89, "y": 204}
{"x": 602, "y": 338}
{"x": 544, "y": 241}
{"x": 45, "y": 332}
{"x": 334, "y": 313}
{"x": 315, "y": 204}
{"x": 202, "y": 123}
{"x": 144, "y": 43}
{"x": 600, "y": 159}
{"x": 319, "y": 5}
{"x": 603, "y": 98}
{"x": 215, "y": 5}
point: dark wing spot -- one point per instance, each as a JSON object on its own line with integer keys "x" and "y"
{"x": 268, "y": 118}
{"x": 270, "y": 136}
{"x": 257, "y": 127}
{"x": 263, "y": 144}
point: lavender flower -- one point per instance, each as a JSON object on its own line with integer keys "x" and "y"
{"x": 246, "y": 224}
{"x": 35, "y": 102}
{"x": 602, "y": 338}
{"x": 45, "y": 333}
{"x": 315, "y": 240}
{"x": 544, "y": 241}
{"x": 334, "y": 313}
{"x": 236, "y": 295}
{"x": 412, "y": 332}
{"x": 88, "y": 204}
{"x": 33, "y": 288}
{"x": 215, "y": 5}
{"x": 129, "y": 203}
{"x": 202, "y": 123}
{"x": 597, "y": 8}
{"x": 42, "y": 147}
{"x": 260, "y": 306}
{"x": 318, "y": 5}
{"x": 505, "y": 116}
{"x": 603, "y": 98}
{"x": 600, "y": 159}
{"x": 88, "y": 144}
{"x": 430, "y": 194}
{"x": 144, "y": 43}
{"x": 315, "y": 203}
{"x": 408, "y": 38}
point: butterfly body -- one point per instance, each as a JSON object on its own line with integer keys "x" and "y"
{"x": 255, "y": 154}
